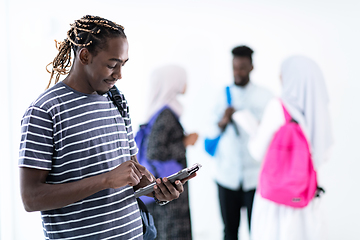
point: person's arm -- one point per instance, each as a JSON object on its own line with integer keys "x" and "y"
{"x": 37, "y": 195}
{"x": 245, "y": 120}
{"x": 271, "y": 121}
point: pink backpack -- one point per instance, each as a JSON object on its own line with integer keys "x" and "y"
{"x": 288, "y": 176}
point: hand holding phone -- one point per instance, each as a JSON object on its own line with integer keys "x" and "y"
{"x": 182, "y": 174}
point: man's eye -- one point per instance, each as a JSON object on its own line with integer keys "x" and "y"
{"x": 111, "y": 67}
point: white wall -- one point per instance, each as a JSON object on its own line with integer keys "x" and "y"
{"x": 199, "y": 36}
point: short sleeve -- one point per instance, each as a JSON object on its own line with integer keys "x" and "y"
{"x": 36, "y": 145}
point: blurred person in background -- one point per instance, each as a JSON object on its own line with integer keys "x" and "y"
{"x": 237, "y": 172}
{"x": 305, "y": 97}
{"x": 166, "y": 149}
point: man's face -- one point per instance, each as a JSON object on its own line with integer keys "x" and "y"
{"x": 242, "y": 67}
{"x": 104, "y": 69}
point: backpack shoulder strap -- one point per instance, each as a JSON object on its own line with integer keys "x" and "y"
{"x": 115, "y": 95}
{"x": 288, "y": 117}
{"x": 228, "y": 95}
{"x": 229, "y": 100}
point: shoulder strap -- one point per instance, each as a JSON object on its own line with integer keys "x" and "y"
{"x": 228, "y": 95}
{"x": 288, "y": 117}
{"x": 229, "y": 100}
{"x": 115, "y": 96}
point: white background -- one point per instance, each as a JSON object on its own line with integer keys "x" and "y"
{"x": 199, "y": 36}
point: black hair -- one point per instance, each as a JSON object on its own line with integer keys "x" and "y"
{"x": 243, "y": 51}
{"x": 89, "y": 32}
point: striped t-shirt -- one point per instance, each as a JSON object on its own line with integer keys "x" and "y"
{"x": 74, "y": 136}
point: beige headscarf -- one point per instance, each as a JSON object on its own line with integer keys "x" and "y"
{"x": 165, "y": 84}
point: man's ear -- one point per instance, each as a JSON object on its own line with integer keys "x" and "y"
{"x": 84, "y": 56}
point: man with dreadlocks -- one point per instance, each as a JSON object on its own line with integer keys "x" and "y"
{"x": 77, "y": 158}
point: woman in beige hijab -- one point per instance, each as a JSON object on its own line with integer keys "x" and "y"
{"x": 168, "y": 142}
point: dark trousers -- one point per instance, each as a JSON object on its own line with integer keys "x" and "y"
{"x": 231, "y": 203}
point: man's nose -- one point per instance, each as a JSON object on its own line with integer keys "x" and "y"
{"x": 117, "y": 73}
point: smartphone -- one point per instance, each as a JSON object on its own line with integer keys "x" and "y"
{"x": 180, "y": 175}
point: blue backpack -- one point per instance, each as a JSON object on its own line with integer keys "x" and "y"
{"x": 158, "y": 168}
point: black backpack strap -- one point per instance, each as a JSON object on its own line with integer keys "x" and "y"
{"x": 117, "y": 98}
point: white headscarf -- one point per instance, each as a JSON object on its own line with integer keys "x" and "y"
{"x": 305, "y": 96}
{"x": 165, "y": 84}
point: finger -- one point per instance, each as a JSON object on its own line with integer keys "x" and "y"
{"x": 135, "y": 170}
{"x": 179, "y": 186}
{"x": 133, "y": 180}
{"x": 158, "y": 193}
{"x": 164, "y": 191}
{"x": 144, "y": 172}
{"x": 183, "y": 181}
{"x": 171, "y": 189}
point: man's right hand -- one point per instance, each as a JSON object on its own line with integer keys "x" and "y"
{"x": 38, "y": 195}
{"x": 226, "y": 117}
{"x": 128, "y": 173}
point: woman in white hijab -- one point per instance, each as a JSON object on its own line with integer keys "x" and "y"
{"x": 167, "y": 142}
{"x": 166, "y": 83}
{"x": 305, "y": 97}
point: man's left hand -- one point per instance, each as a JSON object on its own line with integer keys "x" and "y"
{"x": 166, "y": 191}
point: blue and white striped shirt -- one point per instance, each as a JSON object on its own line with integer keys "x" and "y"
{"x": 75, "y": 135}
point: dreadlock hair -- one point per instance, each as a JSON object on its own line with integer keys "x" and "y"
{"x": 243, "y": 51}
{"x": 89, "y": 32}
